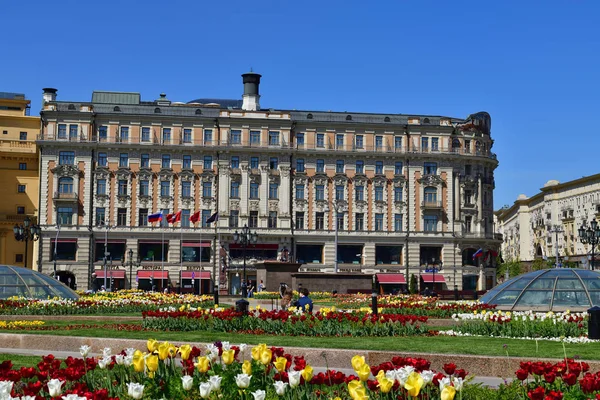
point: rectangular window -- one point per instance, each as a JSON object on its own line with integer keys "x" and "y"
{"x": 22, "y": 135}
{"x": 236, "y": 136}
{"x": 145, "y": 161}
{"x": 273, "y": 138}
{"x": 299, "y": 191}
{"x": 234, "y": 217}
{"x": 398, "y": 222}
{"x": 378, "y": 222}
{"x": 434, "y": 144}
{"x": 103, "y": 133}
{"x": 64, "y": 215}
{"x": 340, "y": 221}
{"x": 73, "y": 132}
{"x": 21, "y": 188}
{"x": 273, "y": 191}
{"x": 18, "y": 258}
{"x": 430, "y": 168}
{"x": 208, "y": 136}
{"x": 339, "y": 167}
{"x": 253, "y": 219}
{"x": 20, "y": 210}
{"x": 359, "y": 141}
{"x": 187, "y": 162}
{"x": 430, "y": 222}
{"x": 379, "y": 167}
{"x": 378, "y": 193}
{"x": 186, "y": 189}
{"x": 359, "y": 219}
{"x": 397, "y": 142}
{"x": 272, "y": 222}
{"x": 359, "y": 193}
{"x": 300, "y": 138}
{"x": 398, "y": 168}
{"x": 100, "y": 215}
{"x": 468, "y": 169}
{"x": 122, "y": 187}
{"x": 121, "y": 216}
{"x": 143, "y": 217}
{"x": 397, "y": 194}
{"x": 254, "y": 190}
{"x": 339, "y": 192}
{"x": 378, "y": 142}
{"x": 65, "y": 185}
{"x": 469, "y": 223}
{"x": 274, "y": 163}
{"x": 319, "y": 192}
{"x": 320, "y": 140}
{"x": 63, "y": 250}
{"x": 208, "y": 161}
{"x": 165, "y": 189}
{"x": 66, "y": 158}
{"x": 320, "y": 165}
{"x": 101, "y": 186}
{"x": 124, "y": 133}
{"x": 467, "y": 146}
{"x": 187, "y": 135}
{"x": 22, "y": 166}
{"x": 185, "y": 218}
{"x": 300, "y": 165}
{"x": 360, "y": 167}
{"x": 339, "y": 141}
{"x": 166, "y": 161}
{"x": 320, "y": 221}
{"x": 424, "y": 144}
{"x": 254, "y": 137}
{"x": 299, "y": 220}
{"x": 235, "y": 162}
{"x": 62, "y": 131}
{"x": 205, "y": 215}
{"x": 144, "y": 188}
{"x": 124, "y": 160}
{"x": 234, "y": 189}
{"x": 166, "y": 135}
{"x": 254, "y": 161}
{"x": 206, "y": 189}
{"x": 145, "y": 134}
{"x": 430, "y": 195}
{"x": 102, "y": 160}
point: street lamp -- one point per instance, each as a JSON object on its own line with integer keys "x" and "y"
{"x": 590, "y": 235}
{"x": 27, "y": 232}
{"x": 245, "y": 238}
{"x": 130, "y": 268}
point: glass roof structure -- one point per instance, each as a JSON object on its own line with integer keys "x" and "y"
{"x": 557, "y": 289}
{"x": 23, "y": 282}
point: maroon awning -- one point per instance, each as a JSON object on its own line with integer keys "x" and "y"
{"x": 387, "y": 279}
{"x": 428, "y": 278}
{"x": 153, "y": 274}
{"x": 196, "y": 244}
{"x": 115, "y": 273}
{"x": 197, "y": 274}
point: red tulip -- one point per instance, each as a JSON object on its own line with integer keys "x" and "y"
{"x": 449, "y": 368}
{"x": 536, "y": 394}
{"x": 522, "y": 374}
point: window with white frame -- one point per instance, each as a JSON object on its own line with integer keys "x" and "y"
{"x": 379, "y": 222}
{"x": 359, "y": 193}
{"x": 319, "y": 192}
{"x": 273, "y": 138}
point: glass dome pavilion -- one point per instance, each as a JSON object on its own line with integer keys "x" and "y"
{"x": 557, "y": 289}
{"x": 23, "y": 282}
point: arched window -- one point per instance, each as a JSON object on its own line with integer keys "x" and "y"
{"x": 157, "y": 110}
{"x": 455, "y": 143}
{"x": 426, "y": 121}
{"x": 117, "y": 109}
{"x": 309, "y": 116}
{"x": 198, "y": 111}
{"x": 71, "y": 106}
{"x": 430, "y": 194}
{"x": 65, "y": 185}
{"x": 386, "y": 119}
{"x": 348, "y": 117}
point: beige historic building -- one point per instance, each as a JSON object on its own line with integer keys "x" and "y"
{"x": 538, "y": 226}
{"x": 405, "y": 191}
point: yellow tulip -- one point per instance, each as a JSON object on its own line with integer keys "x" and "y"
{"x": 266, "y": 356}
{"x": 364, "y": 372}
{"x": 307, "y": 373}
{"x": 247, "y": 367}
{"x": 385, "y": 384}
{"x": 357, "y": 362}
{"x": 163, "y": 350}
{"x": 203, "y": 364}
{"x": 257, "y": 351}
{"x": 380, "y": 375}
{"x": 354, "y": 388}
{"x": 152, "y": 345}
{"x": 152, "y": 363}
{"x": 413, "y": 384}
{"x": 185, "y": 351}
{"x": 448, "y": 393}
{"x": 228, "y": 356}
{"x": 172, "y": 350}
{"x": 139, "y": 362}
{"x": 280, "y": 363}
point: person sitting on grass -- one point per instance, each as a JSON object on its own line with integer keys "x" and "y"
{"x": 304, "y": 302}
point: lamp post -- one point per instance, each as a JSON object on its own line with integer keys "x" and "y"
{"x": 245, "y": 237}
{"x": 556, "y": 229}
{"x": 27, "y": 232}
{"x": 590, "y": 235}
{"x": 130, "y": 268}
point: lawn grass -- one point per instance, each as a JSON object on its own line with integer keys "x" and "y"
{"x": 20, "y": 361}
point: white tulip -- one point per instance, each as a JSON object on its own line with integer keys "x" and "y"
{"x": 242, "y": 380}
{"x": 27, "y": 397}
{"x": 427, "y": 376}
{"x": 458, "y": 383}
{"x": 280, "y": 387}
{"x": 135, "y": 390}
{"x": 226, "y": 345}
{"x": 106, "y": 352}
{"x": 84, "y": 350}
{"x": 5, "y": 388}
{"x": 294, "y": 378}
{"x": 55, "y": 387}
{"x": 129, "y": 351}
{"x": 243, "y": 347}
{"x": 215, "y": 382}
{"x": 187, "y": 382}
{"x": 210, "y": 347}
{"x": 103, "y": 362}
{"x": 120, "y": 359}
{"x": 445, "y": 381}
{"x": 205, "y": 390}
{"x": 259, "y": 395}
{"x": 73, "y": 397}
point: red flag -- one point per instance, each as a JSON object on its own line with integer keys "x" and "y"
{"x": 172, "y": 218}
{"x": 195, "y": 217}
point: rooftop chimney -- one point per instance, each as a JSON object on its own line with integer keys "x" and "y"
{"x": 250, "y": 99}
{"x": 48, "y": 95}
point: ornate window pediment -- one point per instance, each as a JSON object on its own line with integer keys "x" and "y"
{"x": 431, "y": 180}
{"x": 166, "y": 173}
{"x": 254, "y": 205}
{"x": 102, "y": 172}
{"x": 187, "y": 175}
{"x": 320, "y": 179}
{"x": 66, "y": 170}
{"x": 379, "y": 181}
{"x": 273, "y": 205}
{"x": 360, "y": 180}
{"x": 123, "y": 173}
{"x": 399, "y": 181}
{"x": 340, "y": 179}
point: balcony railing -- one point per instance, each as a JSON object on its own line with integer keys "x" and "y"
{"x": 435, "y": 205}
{"x": 17, "y": 146}
{"x": 70, "y": 196}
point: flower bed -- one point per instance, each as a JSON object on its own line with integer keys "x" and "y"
{"x": 332, "y": 323}
{"x": 20, "y": 324}
{"x": 102, "y": 303}
{"x": 276, "y": 295}
{"x": 431, "y": 307}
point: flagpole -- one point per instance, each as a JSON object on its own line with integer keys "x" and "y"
{"x": 180, "y": 253}
{"x": 200, "y": 272}
{"x": 162, "y": 258}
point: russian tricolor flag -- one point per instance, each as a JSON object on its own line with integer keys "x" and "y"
{"x": 478, "y": 253}
{"x": 155, "y": 217}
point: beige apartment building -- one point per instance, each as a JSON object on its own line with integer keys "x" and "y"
{"x": 403, "y": 192}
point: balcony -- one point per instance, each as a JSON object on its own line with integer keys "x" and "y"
{"x": 17, "y": 146}
{"x": 65, "y": 197}
{"x": 431, "y": 205}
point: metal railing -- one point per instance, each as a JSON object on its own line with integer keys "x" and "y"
{"x": 65, "y": 196}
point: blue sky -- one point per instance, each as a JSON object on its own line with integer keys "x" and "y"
{"x": 533, "y": 65}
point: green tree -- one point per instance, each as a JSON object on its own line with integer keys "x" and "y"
{"x": 413, "y": 288}
{"x": 514, "y": 269}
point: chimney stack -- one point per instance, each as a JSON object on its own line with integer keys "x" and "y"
{"x": 49, "y": 95}
{"x": 251, "y": 97}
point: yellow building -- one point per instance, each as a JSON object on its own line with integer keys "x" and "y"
{"x": 19, "y": 176}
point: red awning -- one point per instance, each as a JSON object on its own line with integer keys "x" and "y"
{"x": 116, "y": 273}
{"x": 388, "y": 279}
{"x": 153, "y": 274}
{"x": 196, "y": 244}
{"x": 197, "y": 274}
{"x": 260, "y": 246}
{"x": 428, "y": 278}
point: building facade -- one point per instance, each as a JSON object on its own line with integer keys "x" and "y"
{"x": 19, "y": 177}
{"x": 538, "y": 226}
{"x": 403, "y": 191}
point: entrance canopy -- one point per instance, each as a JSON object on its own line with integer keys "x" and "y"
{"x": 428, "y": 278}
{"x": 197, "y": 274}
{"x": 391, "y": 279}
{"x": 153, "y": 274}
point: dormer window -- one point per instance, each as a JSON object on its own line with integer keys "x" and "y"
{"x": 386, "y": 119}
{"x": 157, "y": 110}
{"x": 198, "y": 111}
{"x": 309, "y": 116}
{"x": 117, "y": 109}
{"x": 71, "y": 106}
{"x": 348, "y": 117}
{"x": 426, "y": 121}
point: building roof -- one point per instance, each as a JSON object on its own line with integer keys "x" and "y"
{"x": 224, "y": 103}
{"x": 12, "y": 96}
{"x": 115, "y": 97}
